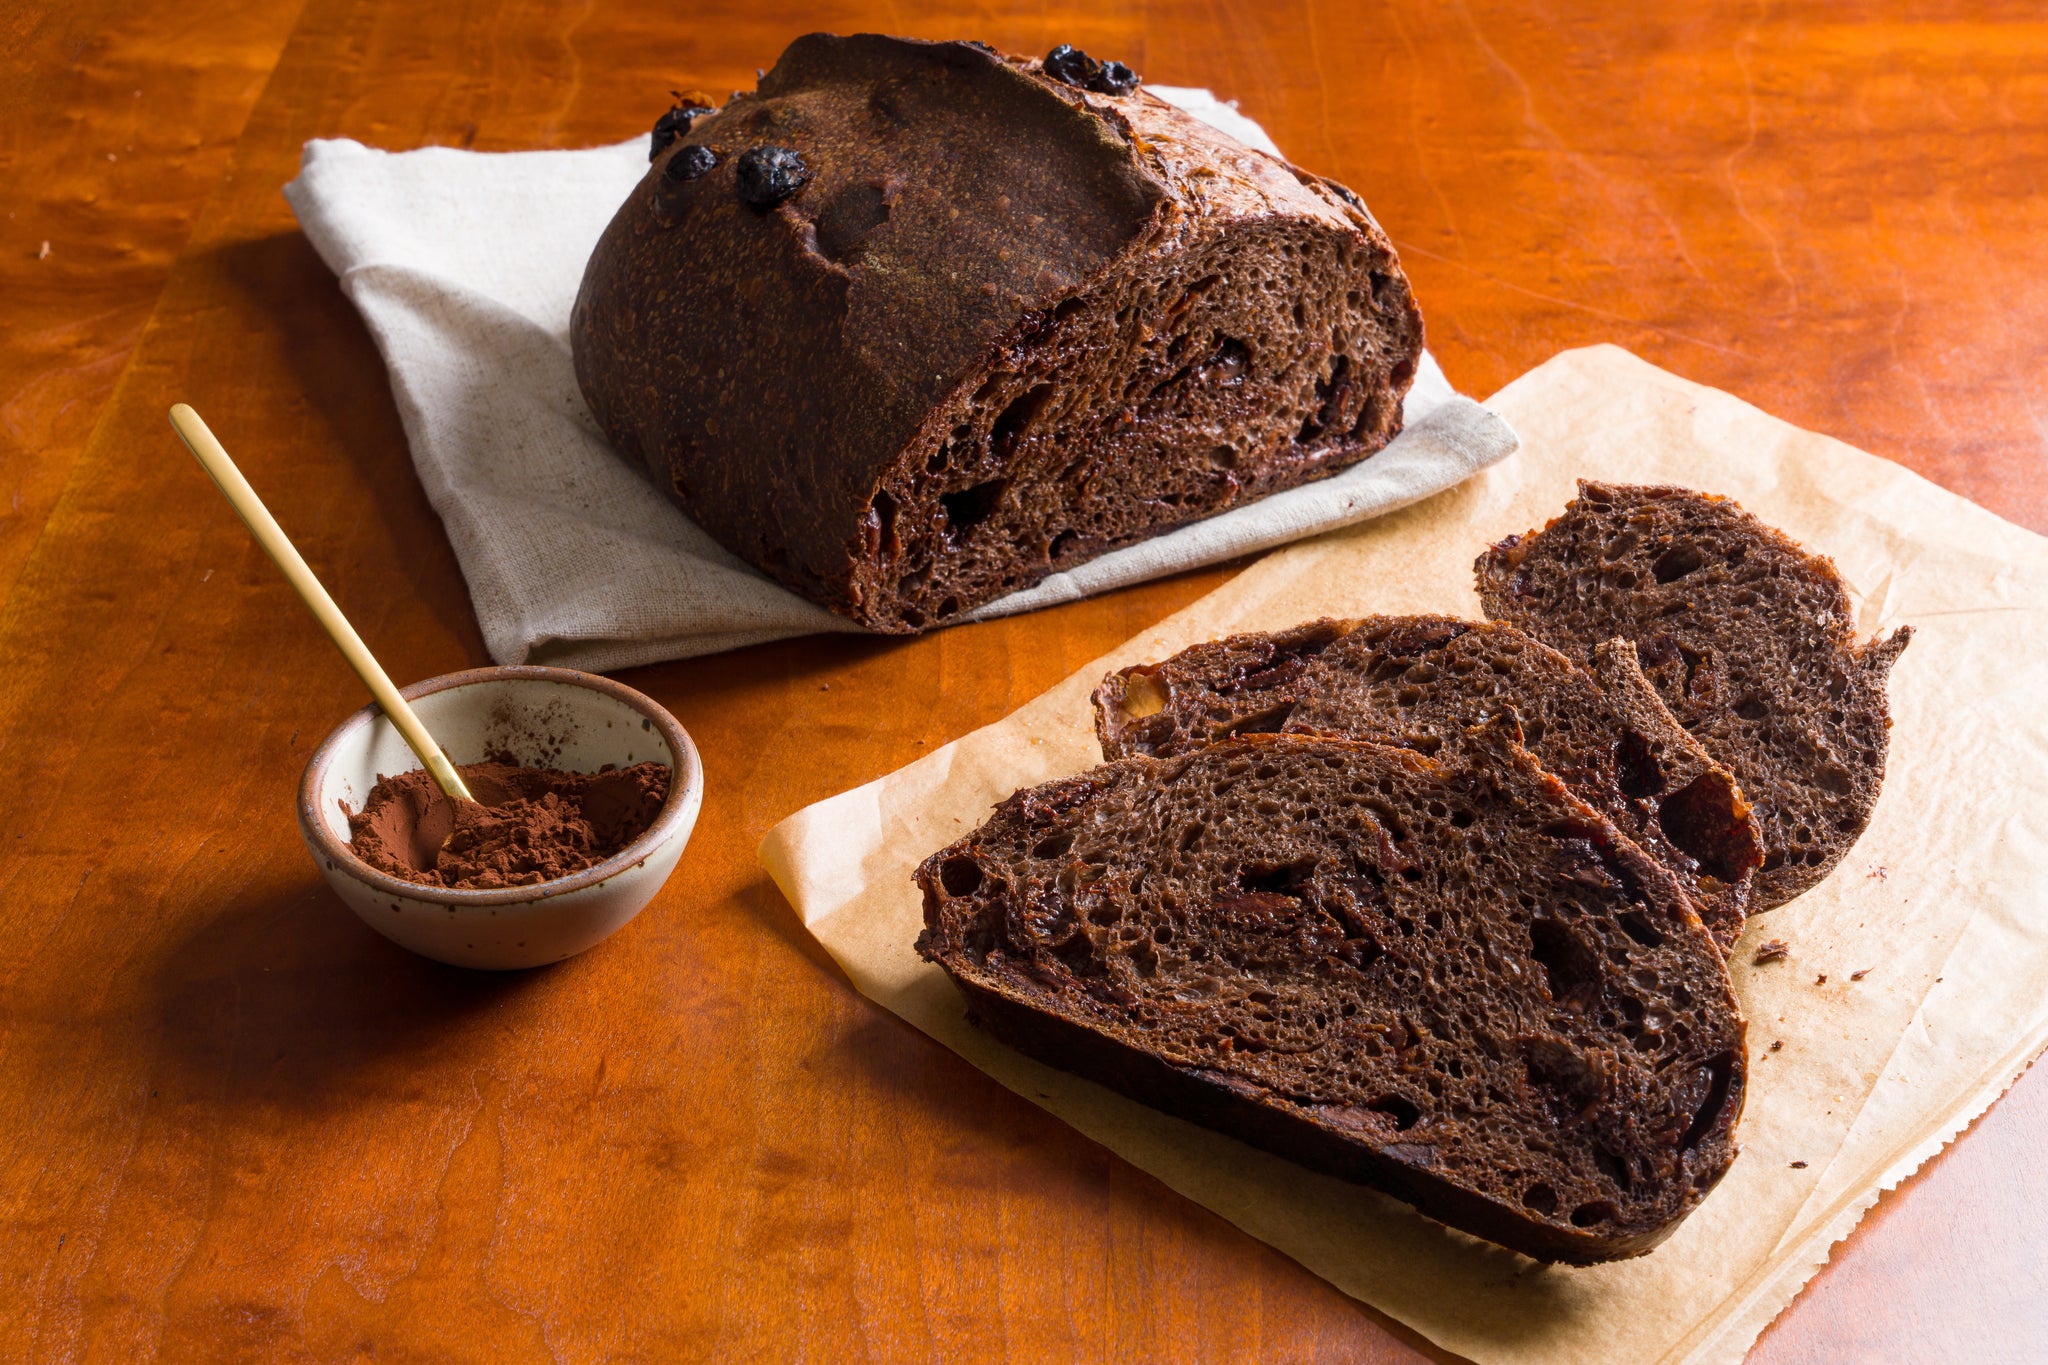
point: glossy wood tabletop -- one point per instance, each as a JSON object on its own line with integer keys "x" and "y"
{"x": 234, "y": 1123}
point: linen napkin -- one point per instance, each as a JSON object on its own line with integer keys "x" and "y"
{"x": 465, "y": 266}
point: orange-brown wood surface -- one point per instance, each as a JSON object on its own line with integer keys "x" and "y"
{"x": 234, "y": 1123}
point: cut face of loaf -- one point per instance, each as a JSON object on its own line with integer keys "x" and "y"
{"x": 1414, "y": 680}
{"x": 1747, "y": 638}
{"x": 1442, "y": 976}
{"x": 1003, "y": 326}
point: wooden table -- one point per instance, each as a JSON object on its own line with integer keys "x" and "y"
{"x": 236, "y": 1123}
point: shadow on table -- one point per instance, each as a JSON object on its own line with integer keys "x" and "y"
{"x": 285, "y": 1000}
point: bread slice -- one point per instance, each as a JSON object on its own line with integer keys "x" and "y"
{"x": 1411, "y": 680}
{"x": 913, "y": 325}
{"x": 1747, "y": 638}
{"x": 1444, "y": 976}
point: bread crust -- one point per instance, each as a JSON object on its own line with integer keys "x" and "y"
{"x": 943, "y": 367}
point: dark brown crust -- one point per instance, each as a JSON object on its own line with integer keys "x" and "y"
{"x": 1412, "y": 680}
{"x": 1492, "y": 1083}
{"x": 1746, "y": 636}
{"x": 1207, "y": 1100}
{"x": 1007, "y": 325}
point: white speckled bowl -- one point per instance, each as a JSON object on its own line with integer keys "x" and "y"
{"x": 551, "y": 717}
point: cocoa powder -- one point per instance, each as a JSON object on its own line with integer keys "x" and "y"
{"x": 527, "y": 825}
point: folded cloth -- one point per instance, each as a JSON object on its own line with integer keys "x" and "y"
{"x": 465, "y": 266}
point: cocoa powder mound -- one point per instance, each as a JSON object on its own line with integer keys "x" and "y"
{"x": 527, "y": 825}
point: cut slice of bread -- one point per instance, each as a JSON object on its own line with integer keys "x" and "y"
{"x": 1411, "y": 680}
{"x": 1747, "y": 638}
{"x": 1444, "y": 976}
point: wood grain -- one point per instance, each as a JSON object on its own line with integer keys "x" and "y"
{"x": 236, "y": 1124}
{"x": 116, "y": 121}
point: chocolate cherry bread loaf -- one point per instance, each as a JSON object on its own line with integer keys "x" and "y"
{"x": 1748, "y": 639}
{"x": 1444, "y": 976}
{"x": 914, "y": 325}
{"x": 1413, "y": 680}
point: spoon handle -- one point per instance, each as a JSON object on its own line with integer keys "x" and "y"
{"x": 200, "y": 441}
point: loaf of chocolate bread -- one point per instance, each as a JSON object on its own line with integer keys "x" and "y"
{"x": 1748, "y": 639}
{"x": 1412, "y": 680}
{"x": 914, "y": 324}
{"x": 1444, "y": 976}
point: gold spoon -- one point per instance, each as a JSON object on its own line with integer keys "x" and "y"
{"x": 200, "y": 441}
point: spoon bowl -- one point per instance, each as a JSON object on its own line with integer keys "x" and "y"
{"x": 539, "y": 717}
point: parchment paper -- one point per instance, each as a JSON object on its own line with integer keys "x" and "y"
{"x": 1932, "y": 936}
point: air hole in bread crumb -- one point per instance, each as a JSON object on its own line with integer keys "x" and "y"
{"x": 960, "y": 876}
{"x": 1023, "y": 409}
{"x": 1598, "y": 1211}
{"x": 1637, "y": 926}
{"x": 1678, "y": 561}
{"x": 970, "y": 507}
{"x": 1403, "y": 1111}
{"x": 1569, "y": 966}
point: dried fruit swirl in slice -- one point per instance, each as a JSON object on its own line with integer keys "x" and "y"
{"x": 1747, "y": 638}
{"x": 1410, "y": 680}
{"x": 1446, "y": 976}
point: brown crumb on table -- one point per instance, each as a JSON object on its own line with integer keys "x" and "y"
{"x": 1858, "y": 976}
{"x": 1777, "y": 950}
{"x": 1798, "y": 1165}
{"x": 1821, "y": 980}
{"x": 1879, "y": 872}
{"x": 1777, "y": 1044}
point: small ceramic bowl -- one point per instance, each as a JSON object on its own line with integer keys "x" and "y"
{"x": 543, "y": 717}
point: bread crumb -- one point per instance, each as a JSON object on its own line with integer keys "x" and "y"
{"x": 44, "y": 253}
{"x": 1777, "y": 1044}
{"x": 1777, "y": 950}
{"x": 1858, "y": 976}
{"x": 1798, "y": 1165}
{"x": 1821, "y": 980}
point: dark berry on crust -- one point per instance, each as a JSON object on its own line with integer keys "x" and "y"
{"x": 689, "y": 162}
{"x": 769, "y": 175}
{"x": 1071, "y": 66}
{"x": 674, "y": 125}
{"x": 1114, "y": 79}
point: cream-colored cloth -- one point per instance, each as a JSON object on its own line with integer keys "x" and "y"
{"x": 464, "y": 265}
{"x": 1917, "y": 985}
